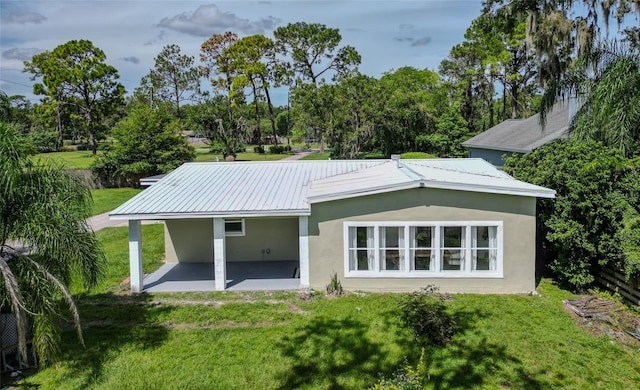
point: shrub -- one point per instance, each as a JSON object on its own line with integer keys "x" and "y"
{"x": 406, "y": 377}
{"x": 279, "y": 149}
{"x": 416, "y": 155}
{"x": 591, "y": 222}
{"x": 334, "y": 287}
{"x": 44, "y": 141}
{"x": 258, "y": 149}
{"x": 425, "y": 313}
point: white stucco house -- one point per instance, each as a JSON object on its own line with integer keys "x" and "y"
{"x": 385, "y": 225}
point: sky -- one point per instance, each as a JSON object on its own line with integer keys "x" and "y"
{"x": 387, "y": 34}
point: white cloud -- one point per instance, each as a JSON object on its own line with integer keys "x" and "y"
{"x": 209, "y": 19}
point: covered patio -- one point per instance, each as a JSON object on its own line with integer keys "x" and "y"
{"x": 241, "y": 276}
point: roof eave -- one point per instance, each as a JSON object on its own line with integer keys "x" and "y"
{"x": 438, "y": 185}
{"x": 227, "y": 214}
{"x": 542, "y": 193}
{"x": 497, "y": 148}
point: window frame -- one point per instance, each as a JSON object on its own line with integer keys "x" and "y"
{"x": 407, "y": 270}
{"x": 234, "y": 233}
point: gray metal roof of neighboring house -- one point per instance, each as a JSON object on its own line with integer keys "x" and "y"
{"x": 279, "y": 188}
{"x": 524, "y": 135}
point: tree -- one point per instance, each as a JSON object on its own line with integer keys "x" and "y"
{"x": 595, "y": 212}
{"x": 464, "y": 70}
{"x": 351, "y": 114}
{"x": 218, "y": 67}
{"x": 44, "y": 209}
{"x": 561, "y": 30}
{"x": 76, "y": 77}
{"x": 313, "y": 50}
{"x": 607, "y": 86}
{"x": 254, "y": 59}
{"x": 147, "y": 143}
{"x": 174, "y": 78}
{"x": 410, "y": 101}
{"x": 210, "y": 118}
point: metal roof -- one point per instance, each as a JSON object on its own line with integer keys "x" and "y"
{"x": 524, "y": 135}
{"x": 228, "y": 189}
{"x": 475, "y": 175}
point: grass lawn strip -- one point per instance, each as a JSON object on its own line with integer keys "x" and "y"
{"x": 248, "y": 156}
{"x": 317, "y": 156}
{"x": 107, "y": 199}
{"x": 71, "y": 160}
{"x": 277, "y": 340}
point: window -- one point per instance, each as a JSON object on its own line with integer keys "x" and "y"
{"x": 421, "y": 252}
{"x": 361, "y": 248}
{"x": 234, "y": 227}
{"x": 484, "y": 248}
{"x": 423, "y": 249}
{"x": 452, "y": 248}
{"x": 391, "y": 248}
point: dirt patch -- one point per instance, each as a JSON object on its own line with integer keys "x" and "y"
{"x": 185, "y": 302}
{"x": 600, "y": 316}
{"x": 295, "y": 309}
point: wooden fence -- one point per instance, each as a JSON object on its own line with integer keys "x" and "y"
{"x": 616, "y": 281}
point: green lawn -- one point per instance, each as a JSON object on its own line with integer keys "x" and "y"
{"x": 107, "y": 199}
{"x": 248, "y": 156}
{"x": 280, "y": 341}
{"x": 72, "y": 160}
{"x": 317, "y": 156}
{"x": 83, "y": 159}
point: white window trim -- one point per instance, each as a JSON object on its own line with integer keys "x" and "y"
{"x": 437, "y": 272}
{"x": 234, "y": 234}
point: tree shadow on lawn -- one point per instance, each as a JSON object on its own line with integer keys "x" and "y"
{"x": 327, "y": 352}
{"x": 471, "y": 360}
{"x": 340, "y": 353}
{"x": 110, "y": 323}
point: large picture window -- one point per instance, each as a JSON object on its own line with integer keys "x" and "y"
{"x": 423, "y": 249}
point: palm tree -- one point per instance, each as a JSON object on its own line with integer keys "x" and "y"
{"x": 44, "y": 243}
{"x": 606, "y": 84}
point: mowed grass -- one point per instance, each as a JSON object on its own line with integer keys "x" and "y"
{"x": 107, "y": 199}
{"x": 71, "y": 160}
{"x": 317, "y": 156}
{"x": 83, "y": 159}
{"x": 276, "y": 340}
{"x": 248, "y": 156}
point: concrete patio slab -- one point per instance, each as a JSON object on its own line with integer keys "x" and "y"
{"x": 241, "y": 276}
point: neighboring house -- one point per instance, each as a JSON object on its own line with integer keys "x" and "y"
{"x": 519, "y": 136}
{"x": 386, "y": 225}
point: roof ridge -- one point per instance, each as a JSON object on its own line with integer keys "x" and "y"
{"x": 504, "y": 175}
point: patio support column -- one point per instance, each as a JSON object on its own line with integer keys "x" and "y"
{"x": 135, "y": 256}
{"x": 303, "y": 244}
{"x": 219, "y": 254}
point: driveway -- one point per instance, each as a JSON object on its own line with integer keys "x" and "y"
{"x": 101, "y": 221}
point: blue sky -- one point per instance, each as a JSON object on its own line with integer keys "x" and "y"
{"x": 387, "y": 34}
